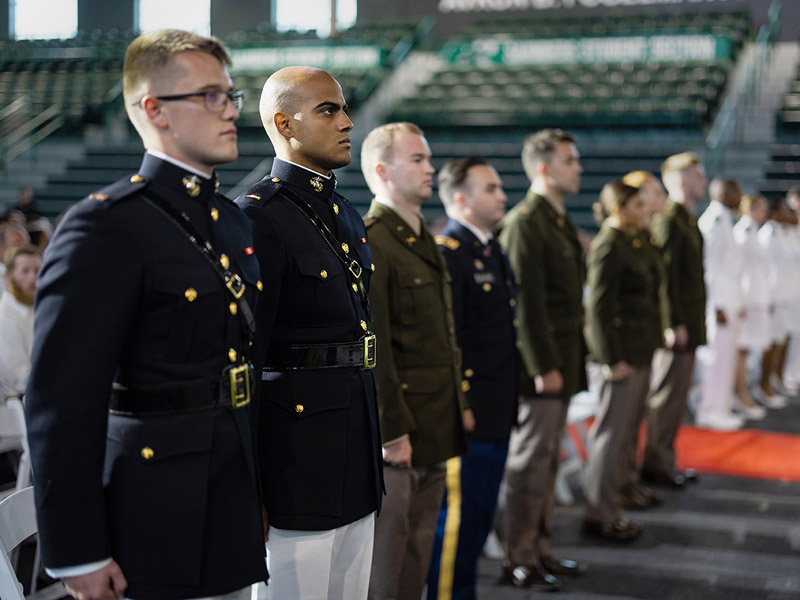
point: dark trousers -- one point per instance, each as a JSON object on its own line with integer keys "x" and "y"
{"x": 465, "y": 519}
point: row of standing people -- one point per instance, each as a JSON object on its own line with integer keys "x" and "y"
{"x": 373, "y": 370}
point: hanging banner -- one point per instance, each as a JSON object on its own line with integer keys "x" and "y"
{"x": 334, "y": 58}
{"x": 570, "y": 51}
{"x": 448, "y": 6}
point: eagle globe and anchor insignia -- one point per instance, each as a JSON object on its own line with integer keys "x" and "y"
{"x": 316, "y": 183}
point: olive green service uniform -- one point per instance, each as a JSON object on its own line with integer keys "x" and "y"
{"x": 623, "y": 317}
{"x": 675, "y": 232}
{"x": 418, "y": 379}
{"x": 545, "y": 253}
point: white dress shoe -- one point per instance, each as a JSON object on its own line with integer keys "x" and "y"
{"x": 753, "y": 413}
{"x": 719, "y": 421}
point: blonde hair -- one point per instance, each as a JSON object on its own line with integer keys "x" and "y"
{"x": 149, "y": 56}
{"x": 377, "y": 147}
{"x": 679, "y": 162}
{"x": 638, "y": 178}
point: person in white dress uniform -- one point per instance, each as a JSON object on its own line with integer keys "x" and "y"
{"x": 722, "y": 267}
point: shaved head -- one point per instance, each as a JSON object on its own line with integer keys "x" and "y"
{"x": 304, "y": 113}
{"x": 284, "y": 93}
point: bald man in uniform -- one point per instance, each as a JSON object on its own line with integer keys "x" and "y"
{"x": 319, "y": 444}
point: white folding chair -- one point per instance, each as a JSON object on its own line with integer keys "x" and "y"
{"x": 13, "y": 436}
{"x": 18, "y": 523}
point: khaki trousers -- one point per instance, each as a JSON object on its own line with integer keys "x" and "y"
{"x": 404, "y": 531}
{"x": 669, "y": 388}
{"x": 525, "y": 507}
{"x": 618, "y": 415}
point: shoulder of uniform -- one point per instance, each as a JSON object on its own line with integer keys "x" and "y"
{"x": 119, "y": 190}
{"x": 260, "y": 193}
{"x": 447, "y": 241}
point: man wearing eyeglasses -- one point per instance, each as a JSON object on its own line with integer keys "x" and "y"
{"x": 138, "y": 404}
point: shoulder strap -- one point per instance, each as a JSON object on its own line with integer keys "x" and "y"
{"x": 233, "y": 283}
{"x": 351, "y": 265}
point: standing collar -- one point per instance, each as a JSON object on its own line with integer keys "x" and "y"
{"x": 482, "y": 236}
{"x": 177, "y": 177}
{"x": 411, "y": 219}
{"x": 304, "y": 179}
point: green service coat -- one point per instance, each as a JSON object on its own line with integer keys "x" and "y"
{"x": 623, "y": 306}
{"x": 418, "y": 362}
{"x": 547, "y": 257}
{"x": 675, "y": 232}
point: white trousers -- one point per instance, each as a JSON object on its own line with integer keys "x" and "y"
{"x": 718, "y": 366}
{"x": 321, "y": 565}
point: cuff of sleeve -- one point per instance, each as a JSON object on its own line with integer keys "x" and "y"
{"x": 84, "y": 569}
{"x": 395, "y": 440}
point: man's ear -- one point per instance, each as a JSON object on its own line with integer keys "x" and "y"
{"x": 541, "y": 168}
{"x": 153, "y": 111}
{"x": 382, "y": 171}
{"x": 460, "y": 199}
{"x": 283, "y": 125}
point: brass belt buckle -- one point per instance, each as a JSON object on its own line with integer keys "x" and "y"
{"x": 239, "y": 378}
{"x": 369, "y": 351}
{"x": 234, "y": 284}
{"x": 355, "y": 269}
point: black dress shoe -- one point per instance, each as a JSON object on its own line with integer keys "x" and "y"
{"x": 530, "y": 576}
{"x": 620, "y": 529}
{"x": 654, "y": 496}
{"x": 563, "y": 566}
{"x": 670, "y": 477}
{"x": 632, "y": 499}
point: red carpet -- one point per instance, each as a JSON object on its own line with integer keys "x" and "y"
{"x": 745, "y": 453}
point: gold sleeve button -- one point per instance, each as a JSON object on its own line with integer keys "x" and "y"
{"x": 323, "y": 274}
{"x": 355, "y": 288}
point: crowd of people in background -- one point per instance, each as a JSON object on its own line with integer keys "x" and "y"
{"x": 483, "y": 332}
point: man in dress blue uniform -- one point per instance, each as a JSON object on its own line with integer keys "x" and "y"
{"x": 483, "y": 311}
{"x": 138, "y": 400}
{"x": 318, "y": 427}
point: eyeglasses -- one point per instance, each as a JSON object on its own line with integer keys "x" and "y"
{"x": 214, "y": 101}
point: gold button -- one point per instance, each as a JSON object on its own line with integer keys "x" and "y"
{"x": 346, "y": 248}
{"x": 259, "y": 285}
{"x": 417, "y": 281}
{"x": 224, "y": 261}
{"x": 516, "y": 322}
{"x": 214, "y": 214}
{"x": 487, "y": 287}
{"x": 403, "y": 386}
{"x": 364, "y": 325}
{"x": 147, "y": 453}
{"x": 275, "y": 179}
{"x": 136, "y": 178}
{"x": 372, "y": 266}
{"x": 232, "y": 355}
{"x": 233, "y": 308}
{"x": 336, "y": 208}
{"x": 512, "y": 302}
{"x": 469, "y": 373}
{"x": 355, "y": 288}
{"x": 191, "y": 294}
{"x": 399, "y": 228}
{"x": 323, "y": 274}
{"x": 465, "y": 386}
{"x": 298, "y": 408}
{"x": 637, "y": 243}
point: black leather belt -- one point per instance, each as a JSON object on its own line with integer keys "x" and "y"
{"x": 323, "y": 356}
{"x": 231, "y": 391}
